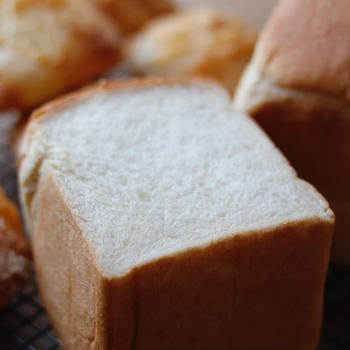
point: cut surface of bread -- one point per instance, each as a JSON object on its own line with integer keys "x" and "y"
{"x": 50, "y": 46}
{"x": 154, "y": 210}
{"x": 14, "y": 250}
{"x": 297, "y": 88}
{"x": 202, "y": 42}
{"x": 156, "y": 183}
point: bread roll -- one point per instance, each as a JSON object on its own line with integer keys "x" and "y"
{"x": 50, "y": 46}
{"x": 200, "y": 42}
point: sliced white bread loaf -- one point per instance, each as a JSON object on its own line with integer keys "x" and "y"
{"x": 161, "y": 218}
{"x": 297, "y": 87}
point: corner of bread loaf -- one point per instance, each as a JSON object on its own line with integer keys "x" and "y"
{"x": 31, "y": 158}
{"x": 290, "y": 256}
{"x": 254, "y": 89}
{"x": 257, "y": 92}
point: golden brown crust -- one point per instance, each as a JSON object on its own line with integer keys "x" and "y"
{"x": 16, "y": 135}
{"x": 258, "y": 289}
{"x": 305, "y": 45}
{"x": 297, "y": 88}
{"x": 269, "y": 306}
{"x": 50, "y": 46}
{"x": 14, "y": 249}
{"x": 316, "y": 143}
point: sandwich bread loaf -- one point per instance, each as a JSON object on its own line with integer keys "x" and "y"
{"x": 162, "y": 218}
{"x": 297, "y": 87}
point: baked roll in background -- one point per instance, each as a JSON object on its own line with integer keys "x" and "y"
{"x": 297, "y": 87}
{"x": 201, "y": 42}
{"x": 50, "y": 46}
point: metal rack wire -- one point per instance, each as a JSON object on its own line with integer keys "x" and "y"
{"x": 24, "y": 324}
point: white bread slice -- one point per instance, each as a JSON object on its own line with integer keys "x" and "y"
{"x": 297, "y": 88}
{"x": 161, "y": 218}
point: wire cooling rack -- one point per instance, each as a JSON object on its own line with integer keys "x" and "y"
{"x": 24, "y": 324}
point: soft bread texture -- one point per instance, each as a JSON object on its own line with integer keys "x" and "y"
{"x": 50, "y": 46}
{"x": 162, "y": 218}
{"x": 14, "y": 250}
{"x": 130, "y": 16}
{"x": 200, "y": 42}
{"x": 297, "y": 88}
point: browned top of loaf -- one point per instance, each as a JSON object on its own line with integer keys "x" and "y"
{"x": 305, "y": 45}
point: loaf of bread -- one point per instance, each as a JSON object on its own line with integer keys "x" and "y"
{"x": 297, "y": 87}
{"x": 131, "y": 15}
{"x": 14, "y": 250}
{"x": 50, "y": 46}
{"x": 163, "y": 219}
{"x": 200, "y": 42}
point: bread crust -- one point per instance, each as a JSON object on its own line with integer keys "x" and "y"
{"x": 305, "y": 45}
{"x": 253, "y": 289}
{"x": 316, "y": 144}
{"x": 297, "y": 88}
{"x": 49, "y": 47}
{"x": 14, "y": 250}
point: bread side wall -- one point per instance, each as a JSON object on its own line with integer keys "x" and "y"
{"x": 315, "y": 139}
{"x": 259, "y": 289}
{"x": 68, "y": 278}
{"x": 253, "y": 289}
